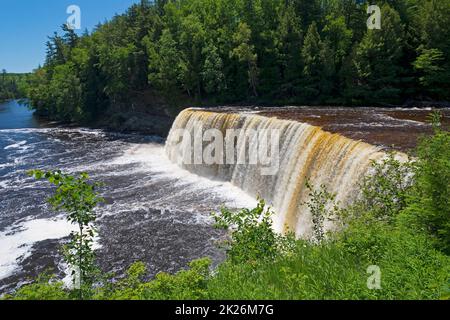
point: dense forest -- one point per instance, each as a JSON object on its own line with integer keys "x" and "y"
{"x": 249, "y": 51}
{"x": 12, "y": 86}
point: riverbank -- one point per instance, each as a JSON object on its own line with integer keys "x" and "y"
{"x": 144, "y": 116}
{"x": 396, "y": 127}
{"x": 158, "y": 213}
{"x": 154, "y": 211}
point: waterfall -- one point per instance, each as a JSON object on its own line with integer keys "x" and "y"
{"x": 305, "y": 152}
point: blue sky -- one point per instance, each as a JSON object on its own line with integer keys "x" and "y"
{"x": 25, "y": 25}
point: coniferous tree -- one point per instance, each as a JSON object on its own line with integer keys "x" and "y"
{"x": 376, "y": 60}
{"x": 245, "y": 52}
{"x": 289, "y": 44}
{"x": 229, "y": 51}
{"x": 318, "y": 65}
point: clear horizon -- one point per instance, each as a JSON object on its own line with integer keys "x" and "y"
{"x": 26, "y": 24}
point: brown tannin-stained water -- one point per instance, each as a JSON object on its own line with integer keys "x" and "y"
{"x": 388, "y": 127}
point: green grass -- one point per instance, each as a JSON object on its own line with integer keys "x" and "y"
{"x": 410, "y": 269}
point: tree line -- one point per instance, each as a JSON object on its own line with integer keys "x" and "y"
{"x": 249, "y": 51}
{"x": 12, "y": 86}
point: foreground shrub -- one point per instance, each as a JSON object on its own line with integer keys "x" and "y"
{"x": 77, "y": 198}
{"x": 410, "y": 269}
{"x": 187, "y": 284}
{"x": 385, "y": 189}
{"x": 252, "y": 237}
{"x": 428, "y": 207}
{"x": 44, "y": 288}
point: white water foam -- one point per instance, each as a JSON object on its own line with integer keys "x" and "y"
{"x": 16, "y": 245}
{"x": 16, "y": 145}
{"x": 4, "y": 184}
{"x": 152, "y": 158}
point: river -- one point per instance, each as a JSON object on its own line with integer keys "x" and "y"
{"x": 154, "y": 211}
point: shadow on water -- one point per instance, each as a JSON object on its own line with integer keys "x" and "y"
{"x": 14, "y": 115}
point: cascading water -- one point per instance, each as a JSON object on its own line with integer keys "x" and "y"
{"x": 305, "y": 153}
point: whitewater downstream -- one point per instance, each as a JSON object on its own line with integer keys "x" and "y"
{"x": 155, "y": 212}
{"x": 159, "y": 212}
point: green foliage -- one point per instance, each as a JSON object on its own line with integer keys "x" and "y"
{"x": 309, "y": 272}
{"x": 339, "y": 36}
{"x": 410, "y": 269}
{"x": 130, "y": 288}
{"x": 237, "y": 51}
{"x": 434, "y": 75}
{"x": 322, "y": 207}
{"x": 165, "y": 63}
{"x": 213, "y": 76}
{"x": 77, "y": 198}
{"x": 187, "y": 284}
{"x": 12, "y": 86}
{"x": 428, "y": 203}
{"x": 44, "y": 288}
{"x": 376, "y": 61}
{"x": 318, "y": 64}
{"x": 252, "y": 236}
{"x": 245, "y": 53}
{"x": 384, "y": 191}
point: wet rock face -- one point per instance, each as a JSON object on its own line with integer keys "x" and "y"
{"x": 148, "y": 124}
{"x": 145, "y": 112}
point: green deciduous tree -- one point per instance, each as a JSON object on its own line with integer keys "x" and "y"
{"x": 428, "y": 204}
{"x": 252, "y": 237}
{"x": 77, "y": 198}
{"x": 166, "y": 65}
{"x": 434, "y": 75}
{"x": 213, "y": 77}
